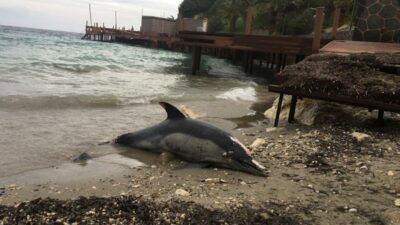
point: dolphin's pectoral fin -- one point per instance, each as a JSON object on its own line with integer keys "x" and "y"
{"x": 172, "y": 111}
{"x": 193, "y": 166}
{"x": 167, "y": 157}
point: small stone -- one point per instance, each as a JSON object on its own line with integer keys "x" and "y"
{"x": 214, "y": 180}
{"x": 182, "y": 192}
{"x": 390, "y": 173}
{"x": 364, "y": 168}
{"x": 153, "y": 166}
{"x": 361, "y": 137}
{"x": 83, "y": 157}
{"x": 265, "y": 216}
{"x": 352, "y": 210}
{"x": 391, "y": 217}
{"x": 257, "y": 143}
{"x": 397, "y": 202}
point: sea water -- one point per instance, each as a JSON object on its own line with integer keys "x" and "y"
{"x": 60, "y": 95}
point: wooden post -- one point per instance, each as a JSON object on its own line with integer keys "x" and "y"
{"x": 284, "y": 61}
{"x": 319, "y": 20}
{"x": 278, "y": 110}
{"x": 249, "y": 18}
{"x": 380, "y": 115}
{"x": 292, "y": 110}
{"x": 280, "y": 60}
{"x": 196, "y": 58}
{"x": 90, "y": 14}
{"x": 116, "y": 27}
{"x": 273, "y": 61}
{"x": 335, "y": 24}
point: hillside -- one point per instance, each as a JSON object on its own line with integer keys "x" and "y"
{"x": 285, "y": 17}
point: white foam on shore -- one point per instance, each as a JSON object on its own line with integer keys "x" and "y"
{"x": 240, "y": 94}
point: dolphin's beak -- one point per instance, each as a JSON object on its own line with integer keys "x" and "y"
{"x": 248, "y": 165}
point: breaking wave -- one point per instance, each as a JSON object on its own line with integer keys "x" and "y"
{"x": 240, "y": 94}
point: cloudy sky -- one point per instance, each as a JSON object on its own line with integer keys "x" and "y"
{"x": 71, "y": 15}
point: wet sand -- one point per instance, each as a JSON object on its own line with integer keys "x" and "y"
{"x": 316, "y": 175}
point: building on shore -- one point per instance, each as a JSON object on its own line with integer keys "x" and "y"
{"x": 155, "y": 26}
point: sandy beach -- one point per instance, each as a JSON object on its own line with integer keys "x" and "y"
{"x": 318, "y": 174}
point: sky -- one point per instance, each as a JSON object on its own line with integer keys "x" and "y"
{"x": 71, "y": 15}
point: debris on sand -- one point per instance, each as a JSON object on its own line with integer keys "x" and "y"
{"x": 136, "y": 210}
{"x": 214, "y": 181}
{"x": 361, "y": 137}
{"x": 397, "y": 202}
{"x": 257, "y": 143}
{"x": 83, "y": 157}
{"x": 356, "y": 75}
{"x": 182, "y": 192}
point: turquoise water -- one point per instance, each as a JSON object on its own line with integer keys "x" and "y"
{"x": 60, "y": 95}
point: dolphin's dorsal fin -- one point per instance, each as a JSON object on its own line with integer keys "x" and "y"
{"x": 172, "y": 111}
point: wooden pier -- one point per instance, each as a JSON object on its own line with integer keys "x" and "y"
{"x": 104, "y": 34}
{"x": 267, "y": 52}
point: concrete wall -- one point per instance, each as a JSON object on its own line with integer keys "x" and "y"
{"x": 155, "y": 25}
{"x": 377, "y": 20}
{"x": 191, "y": 24}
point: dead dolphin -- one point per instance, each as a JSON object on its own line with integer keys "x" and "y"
{"x": 194, "y": 141}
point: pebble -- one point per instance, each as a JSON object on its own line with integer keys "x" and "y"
{"x": 182, "y": 192}
{"x": 364, "y": 168}
{"x": 397, "y": 202}
{"x": 390, "y": 173}
{"x": 214, "y": 180}
{"x": 352, "y": 210}
{"x": 257, "y": 143}
{"x": 361, "y": 137}
{"x": 391, "y": 217}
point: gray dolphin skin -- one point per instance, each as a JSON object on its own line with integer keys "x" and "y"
{"x": 193, "y": 141}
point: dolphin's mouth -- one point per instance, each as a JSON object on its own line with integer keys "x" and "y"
{"x": 249, "y": 166}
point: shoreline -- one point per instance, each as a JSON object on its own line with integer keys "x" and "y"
{"x": 319, "y": 173}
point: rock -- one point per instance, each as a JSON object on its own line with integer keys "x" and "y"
{"x": 190, "y": 114}
{"x": 274, "y": 129}
{"x": 364, "y": 168}
{"x": 182, "y": 192}
{"x": 391, "y": 217}
{"x": 83, "y": 157}
{"x": 352, "y": 210}
{"x": 257, "y": 143}
{"x": 214, "y": 181}
{"x": 361, "y": 137}
{"x": 265, "y": 216}
{"x": 397, "y": 202}
{"x": 390, "y": 173}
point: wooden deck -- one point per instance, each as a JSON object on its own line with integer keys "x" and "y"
{"x": 273, "y": 51}
{"x": 127, "y": 36}
{"x": 344, "y": 47}
{"x": 351, "y": 47}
